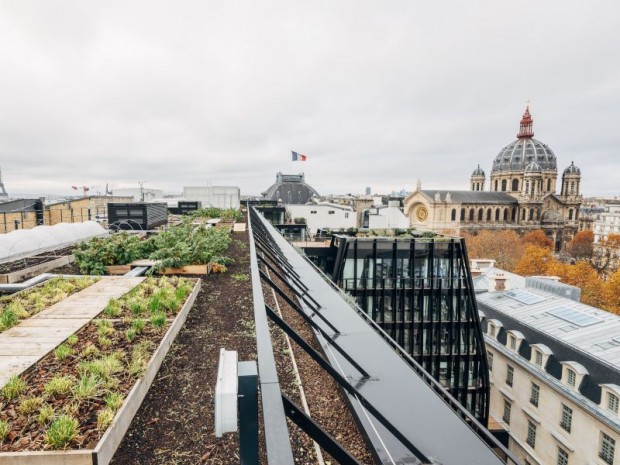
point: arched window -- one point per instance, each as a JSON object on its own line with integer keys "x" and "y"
{"x": 497, "y": 214}
{"x": 570, "y": 213}
{"x": 514, "y": 214}
{"x": 527, "y": 187}
{"x": 531, "y": 216}
{"x": 505, "y": 214}
{"x": 471, "y": 215}
{"x": 548, "y": 185}
{"x": 462, "y": 214}
{"x": 496, "y": 184}
{"x": 523, "y": 215}
{"x": 489, "y": 214}
{"x": 572, "y": 187}
{"x": 480, "y": 213}
{"x": 454, "y": 214}
{"x": 515, "y": 185}
{"x": 504, "y": 183}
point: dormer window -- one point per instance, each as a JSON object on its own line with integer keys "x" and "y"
{"x": 571, "y": 377}
{"x": 538, "y": 358}
{"x": 572, "y": 374}
{"x": 513, "y": 342}
{"x": 514, "y": 339}
{"x": 491, "y": 330}
{"x": 612, "y": 402}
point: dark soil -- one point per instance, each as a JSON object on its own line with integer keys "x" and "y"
{"x": 71, "y": 268}
{"x": 175, "y": 424}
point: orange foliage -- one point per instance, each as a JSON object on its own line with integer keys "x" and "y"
{"x": 611, "y": 293}
{"x": 582, "y": 245}
{"x": 612, "y": 240}
{"x": 505, "y": 247}
{"x": 535, "y": 261}
{"x": 538, "y": 238}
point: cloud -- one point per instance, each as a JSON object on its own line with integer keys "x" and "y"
{"x": 185, "y": 93}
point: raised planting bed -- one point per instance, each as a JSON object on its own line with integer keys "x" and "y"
{"x": 27, "y": 267}
{"x": 29, "y": 302}
{"x": 75, "y": 405}
{"x": 177, "y": 247}
{"x": 184, "y": 270}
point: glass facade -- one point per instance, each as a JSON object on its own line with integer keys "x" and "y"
{"x": 419, "y": 291}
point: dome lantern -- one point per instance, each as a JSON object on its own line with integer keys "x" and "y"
{"x": 526, "y": 129}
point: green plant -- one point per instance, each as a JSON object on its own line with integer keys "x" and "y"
{"x": 130, "y": 334}
{"x": 137, "y": 308}
{"x": 5, "y": 427}
{"x": 8, "y": 319}
{"x": 46, "y": 413}
{"x": 62, "y": 351}
{"x": 14, "y": 387}
{"x": 103, "y": 367}
{"x": 104, "y": 418}
{"x": 86, "y": 386}
{"x": 113, "y": 309}
{"x": 58, "y": 385}
{"x": 119, "y": 249}
{"x": 138, "y": 325}
{"x": 240, "y": 277}
{"x": 61, "y": 432}
{"x": 158, "y": 319}
{"x": 72, "y": 340}
{"x": 29, "y": 405}
{"x": 104, "y": 342}
{"x": 140, "y": 358}
{"x": 90, "y": 349}
{"x": 104, "y": 328}
{"x": 113, "y": 400}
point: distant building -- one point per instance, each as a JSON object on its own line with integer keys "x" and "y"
{"x": 554, "y": 367}
{"x": 291, "y": 189}
{"x": 521, "y": 196}
{"x": 388, "y": 216}
{"x": 140, "y": 194}
{"x": 608, "y": 221}
{"x": 368, "y": 191}
{"x": 323, "y": 215}
{"x": 214, "y": 196}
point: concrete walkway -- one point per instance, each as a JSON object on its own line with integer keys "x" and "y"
{"x": 26, "y": 343}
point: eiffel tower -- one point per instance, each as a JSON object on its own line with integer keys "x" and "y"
{"x": 2, "y": 189}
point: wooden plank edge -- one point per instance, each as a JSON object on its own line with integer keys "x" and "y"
{"x": 112, "y": 438}
{"x": 35, "y": 270}
{"x": 52, "y": 457}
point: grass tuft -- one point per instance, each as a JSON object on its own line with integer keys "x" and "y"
{"x": 14, "y": 387}
{"x": 61, "y": 432}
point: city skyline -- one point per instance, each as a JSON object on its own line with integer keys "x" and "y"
{"x": 374, "y": 95}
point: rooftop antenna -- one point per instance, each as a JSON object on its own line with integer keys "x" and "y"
{"x": 2, "y": 189}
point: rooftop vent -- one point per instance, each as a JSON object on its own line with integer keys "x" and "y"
{"x": 553, "y": 287}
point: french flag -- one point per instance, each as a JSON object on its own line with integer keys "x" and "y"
{"x": 298, "y": 157}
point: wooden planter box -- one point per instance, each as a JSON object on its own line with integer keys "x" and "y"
{"x": 189, "y": 269}
{"x": 21, "y": 275}
{"x": 109, "y": 442}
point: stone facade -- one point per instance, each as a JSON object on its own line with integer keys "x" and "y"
{"x": 522, "y": 195}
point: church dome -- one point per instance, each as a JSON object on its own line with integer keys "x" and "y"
{"x": 478, "y": 172}
{"x": 290, "y": 189}
{"x": 533, "y": 167}
{"x": 525, "y": 150}
{"x": 572, "y": 169}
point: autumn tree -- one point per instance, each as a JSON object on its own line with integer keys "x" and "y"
{"x": 535, "y": 261}
{"x": 539, "y": 238}
{"x": 612, "y": 241}
{"x": 582, "y": 245}
{"x": 505, "y": 247}
{"x": 611, "y": 293}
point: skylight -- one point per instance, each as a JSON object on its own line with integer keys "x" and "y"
{"x": 524, "y": 297}
{"x": 575, "y": 316}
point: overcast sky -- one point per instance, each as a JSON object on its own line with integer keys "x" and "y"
{"x": 376, "y": 94}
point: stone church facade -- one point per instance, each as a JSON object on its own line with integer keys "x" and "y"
{"x": 521, "y": 196}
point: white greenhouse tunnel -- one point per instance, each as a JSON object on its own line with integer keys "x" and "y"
{"x": 24, "y": 242}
